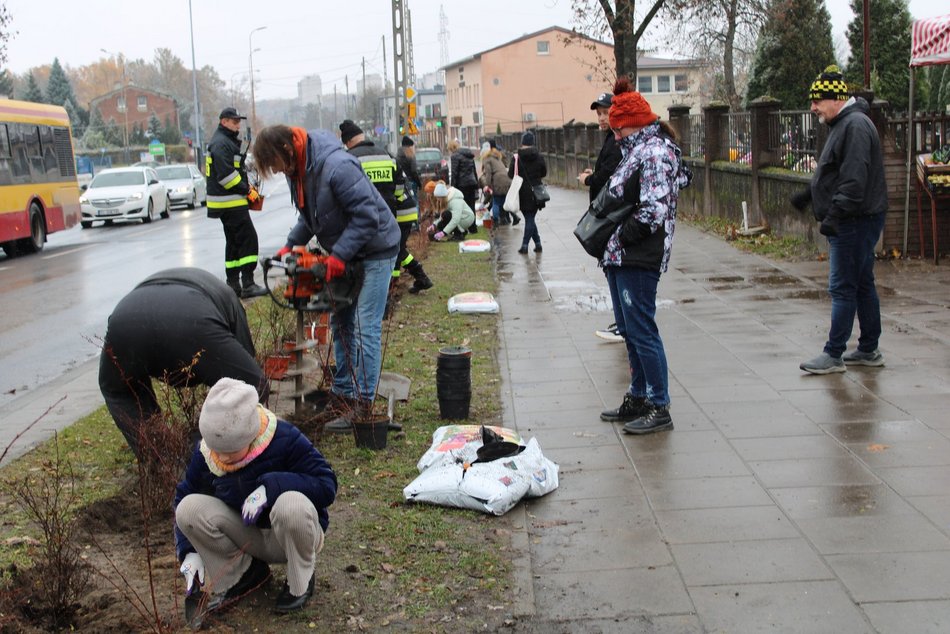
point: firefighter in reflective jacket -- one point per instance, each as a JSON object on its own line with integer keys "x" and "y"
{"x": 228, "y": 194}
{"x": 381, "y": 169}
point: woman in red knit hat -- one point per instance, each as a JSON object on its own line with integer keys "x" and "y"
{"x": 650, "y": 174}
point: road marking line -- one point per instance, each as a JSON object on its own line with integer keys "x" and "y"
{"x": 56, "y": 255}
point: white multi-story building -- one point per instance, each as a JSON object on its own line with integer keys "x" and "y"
{"x": 309, "y": 90}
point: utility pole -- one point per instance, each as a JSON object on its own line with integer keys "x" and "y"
{"x": 399, "y": 64}
{"x": 363, "y": 98}
{"x": 346, "y": 103}
{"x": 335, "y": 118}
{"x": 194, "y": 80}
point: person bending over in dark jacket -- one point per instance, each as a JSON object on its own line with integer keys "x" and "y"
{"x": 339, "y": 205}
{"x": 530, "y": 165}
{"x": 255, "y": 493}
{"x": 464, "y": 176}
{"x": 183, "y": 326}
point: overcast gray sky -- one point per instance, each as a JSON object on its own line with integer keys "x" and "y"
{"x": 324, "y": 37}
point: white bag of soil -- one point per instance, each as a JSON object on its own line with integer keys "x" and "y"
{"x": 462, "y": 470}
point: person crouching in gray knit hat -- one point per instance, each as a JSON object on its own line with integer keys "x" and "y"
{"x": 255, "y": 493}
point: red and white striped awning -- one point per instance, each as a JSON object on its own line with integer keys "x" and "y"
{"x": 930, "y": 41}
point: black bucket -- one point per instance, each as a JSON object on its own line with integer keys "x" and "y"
{"x": 371, "y": 434}
{"x": 453, "y": 379}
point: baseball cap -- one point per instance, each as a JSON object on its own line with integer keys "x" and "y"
{"x": 602, "y": 101}
{"x": 231, "y": 113}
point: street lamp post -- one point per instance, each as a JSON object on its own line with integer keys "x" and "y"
{"x": 125, "y": 101}
{"x": 194, "y": 81}
{"x": 250, "y": 61}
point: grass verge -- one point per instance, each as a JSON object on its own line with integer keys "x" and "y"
{"x": 385, "y": 563}
{"x": 765, "y": 244}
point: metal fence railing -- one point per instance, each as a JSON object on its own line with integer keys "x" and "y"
{"x": 695, "y": 144}
{"x": 738, "y": 137}
{"x": 930, "y": 131}
{"x": 793, "y": 139}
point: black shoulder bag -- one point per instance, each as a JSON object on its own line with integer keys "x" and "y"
{"x": 599, "y": 222}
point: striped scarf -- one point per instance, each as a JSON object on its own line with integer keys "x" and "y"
{"x": 258, "y": 445}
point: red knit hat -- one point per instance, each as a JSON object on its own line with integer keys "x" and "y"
{"x": 629, "y": 109}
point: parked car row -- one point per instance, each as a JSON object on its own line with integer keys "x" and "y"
{"x": 139, "y": 192}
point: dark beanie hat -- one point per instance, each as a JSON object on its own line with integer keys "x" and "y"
{"x": 829, "y": 85}
{"x": 527, "y": 138}
{"x": 492, "y": 144}
{"x": 348, "y": 130}
{"x": 407, "y": 142}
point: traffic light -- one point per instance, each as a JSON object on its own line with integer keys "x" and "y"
{"x": 438, "y": 123}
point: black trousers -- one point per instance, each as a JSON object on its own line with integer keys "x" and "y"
{"x": 240, "y": 246}
{"x": 159, "y": 332}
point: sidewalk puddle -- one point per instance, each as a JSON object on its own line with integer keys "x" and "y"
{"x": 814, "y": 294}
{"x": 725, "y": 278}
{"x": 776, "y": 280}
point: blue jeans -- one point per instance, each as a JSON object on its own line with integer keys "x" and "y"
{"x": 851, "y": 285}
{"x": 496, "y": 205}
{"x": 358, "y": 334}
{"x": 530, "y": 229}
{"x": 633, "y": 292}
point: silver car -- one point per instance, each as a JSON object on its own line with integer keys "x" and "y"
{"x": 185, "y": 184}
{"x": 125, "y": 193}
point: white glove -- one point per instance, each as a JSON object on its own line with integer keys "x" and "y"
{"x": 193, "y": 568}
{"x": 253, "y": 505}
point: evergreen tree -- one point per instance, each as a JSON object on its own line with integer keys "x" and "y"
{"x": 6, "y": 84}
{"x": 154, "y": 127}
{"x": 58, "y": 90}
{"x": 33, "y": 92}
{"x": 793, "y": 47}
{"x": 890, "y": 49}
{"x": 137, "y": 135}
{"x": 939, "y": 79}
{"x": 170, "y": 134}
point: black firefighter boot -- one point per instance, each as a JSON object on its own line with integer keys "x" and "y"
{"x": 234, "y": 280}
{"x": 249, "y": 288}
{"x": 421, "y": 281}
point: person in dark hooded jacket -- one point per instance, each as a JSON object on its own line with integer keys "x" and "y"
{"x": 464, "y": 175}
{"x": 339, "y": 205}
{"x": 532, "y": 168}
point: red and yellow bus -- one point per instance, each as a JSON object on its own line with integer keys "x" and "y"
{"x": 38, "y": 189}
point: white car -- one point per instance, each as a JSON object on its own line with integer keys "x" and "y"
{"x": 125, "y": 193}
{"x": 185, "y": 184}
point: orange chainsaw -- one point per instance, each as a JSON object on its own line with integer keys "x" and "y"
{"x": 307, "y": 288}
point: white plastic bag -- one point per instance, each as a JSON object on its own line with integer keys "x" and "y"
{"x": 512, "y": 198}
{"x": 476, "y": 302}
{"x": 474, "y": 246}
{"x": 449, "y": 478}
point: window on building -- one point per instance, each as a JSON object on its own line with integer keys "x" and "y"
{"x": 680, "y": 83}
{"x": 495, "y": 81}
{"x": 544, "y": 47}
{"x": 120, "y": 103}
{"x": 142, "y": 103}
{"x": 645, "y": 83}
{"x": 663, "y": 83}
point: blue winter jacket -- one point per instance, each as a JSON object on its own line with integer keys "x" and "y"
{"x": 289, "y": 463}
{"x": 342, "y": 207}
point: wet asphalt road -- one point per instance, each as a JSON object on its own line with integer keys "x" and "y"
{"x": 56, "y": 303}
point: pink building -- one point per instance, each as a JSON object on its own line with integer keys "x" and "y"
{"x": 540, "y": 80}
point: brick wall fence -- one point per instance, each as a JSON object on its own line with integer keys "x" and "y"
{"x": 724, "y": 175}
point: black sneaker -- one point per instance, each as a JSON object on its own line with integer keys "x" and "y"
{"x": 252, "y": 579}
{"x": 287, "y": 602}
{"x": 538, "y": 249}
{"x": 632, "y": 408}
{"x": 523, "y": 250}
{"x": 657, "y": 419}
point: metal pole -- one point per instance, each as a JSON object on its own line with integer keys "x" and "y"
{"x": 250, "y": 59}
{"x": 194, "y": 80}
{"x": 867, "y": 45}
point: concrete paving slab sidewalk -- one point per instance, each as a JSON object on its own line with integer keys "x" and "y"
{"x": 781, "y": 501}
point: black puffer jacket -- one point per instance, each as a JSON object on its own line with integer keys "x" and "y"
{"x": 532, "y": 168}
{"x": 464, "y": 175}
{"x": 607, "y": 162}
